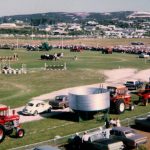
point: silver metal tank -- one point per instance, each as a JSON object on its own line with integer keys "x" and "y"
{"x": 89, "y": 99}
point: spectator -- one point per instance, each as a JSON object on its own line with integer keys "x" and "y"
{"x": 118, "y": 122}
{"x": 114, "y": 122}
{"x": 111, "y": 122}
{"x": 77, "y": 141}
{"x": 84, "y": 137}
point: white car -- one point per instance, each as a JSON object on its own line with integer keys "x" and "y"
{"x": 35, "y": 107}
{"x": 143, "y": 55}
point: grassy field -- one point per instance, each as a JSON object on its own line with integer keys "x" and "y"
{"x": 78, "y": 41}
{"x": 16, "y": 90}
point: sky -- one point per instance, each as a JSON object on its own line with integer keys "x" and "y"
{"x": 14, "y": 7}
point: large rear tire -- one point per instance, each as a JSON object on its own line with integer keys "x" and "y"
{"x": 2, "y": 133}
{"x": 120, "y": 106}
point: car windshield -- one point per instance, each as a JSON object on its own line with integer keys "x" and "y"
{"x": 30, "y": 104}
{"x": 129, "y": 82}
{"x": 59, "y": 98}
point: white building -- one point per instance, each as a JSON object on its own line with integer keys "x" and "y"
{"x": 8, "y": 26}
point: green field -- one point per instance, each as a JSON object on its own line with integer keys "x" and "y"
{"x": 17, "y": 90}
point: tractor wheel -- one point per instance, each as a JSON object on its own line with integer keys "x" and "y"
{"x": 120, "y": 106}
{"x": 145, "y": 102}
{"x": 35, "y": 113}
{"x": 131, "y": 107}
{"x": 2, "y": 133}
{"x": 20, "y": 133}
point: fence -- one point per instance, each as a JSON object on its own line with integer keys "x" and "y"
{"x": 57, "y": 141}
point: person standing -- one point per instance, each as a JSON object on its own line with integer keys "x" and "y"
{"x": 118, "y": 122}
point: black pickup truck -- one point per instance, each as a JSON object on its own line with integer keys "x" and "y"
{"x": 133, "y": 85}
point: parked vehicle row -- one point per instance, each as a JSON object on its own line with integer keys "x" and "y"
{"x": 120, "y": 99}
{"x": 36, "y": 107}
{"x": 116, "y": 138}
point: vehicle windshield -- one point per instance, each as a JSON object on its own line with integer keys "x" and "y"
{"x": 59, "y": 98}
{"x": 129, "y": 82}
{"x": 30, "y": 104}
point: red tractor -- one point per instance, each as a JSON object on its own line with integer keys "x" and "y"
{"x": 8, "y": 123}
{"x": 120, "y": 99}
{"x": 144, "y": 95}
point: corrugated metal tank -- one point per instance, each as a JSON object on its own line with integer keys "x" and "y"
{"x": 89, "y": 99}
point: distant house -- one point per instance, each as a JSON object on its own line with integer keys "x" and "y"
{"x": 60, "y": 32}
{"x": 8, "y": 26}
{"x": 46, "y": 28}
{"x": 74, "y": 27}
{"x": 140, "y": 15}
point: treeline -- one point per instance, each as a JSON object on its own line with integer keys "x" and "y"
{"x": 21, "y": 31}
{"x": 56, "y": 17}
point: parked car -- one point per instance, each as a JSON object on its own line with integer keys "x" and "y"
{"x": 98, "y": 140}
{"x": 45, "y": 147}
{"x": 143, "y": 122}
{"x": 107, "y": 144}
{"x": 128, "y": 136}
{"x": 35, "y": 107}
{"x": 60, "y": 101}
{"x": 143, "y": 55}
{"x": 137, "y": 43}
{"x": 133, "y": 84}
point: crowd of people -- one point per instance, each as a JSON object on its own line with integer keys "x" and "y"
{"x": 115, "y": 122}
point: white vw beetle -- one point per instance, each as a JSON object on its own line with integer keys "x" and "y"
{"x": 35, "y": 107}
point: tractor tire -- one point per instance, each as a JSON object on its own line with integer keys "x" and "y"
{"x": 131, "y": 107}
{"x": 120, "y": 106}
{"x": 35, "y": 113}
{"x": 2, "y": 133}
{"x": 20, "y": 133}
{"x": 145, "y": 102}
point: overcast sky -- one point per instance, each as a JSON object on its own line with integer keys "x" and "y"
{"x": 11, "y": 7}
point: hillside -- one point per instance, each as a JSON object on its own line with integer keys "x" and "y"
{"x": 55, "y": 17}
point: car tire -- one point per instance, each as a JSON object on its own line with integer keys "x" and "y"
{"x": 35, "y": 113}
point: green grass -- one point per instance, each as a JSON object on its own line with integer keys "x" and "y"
{"x": 17, "y": 90}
